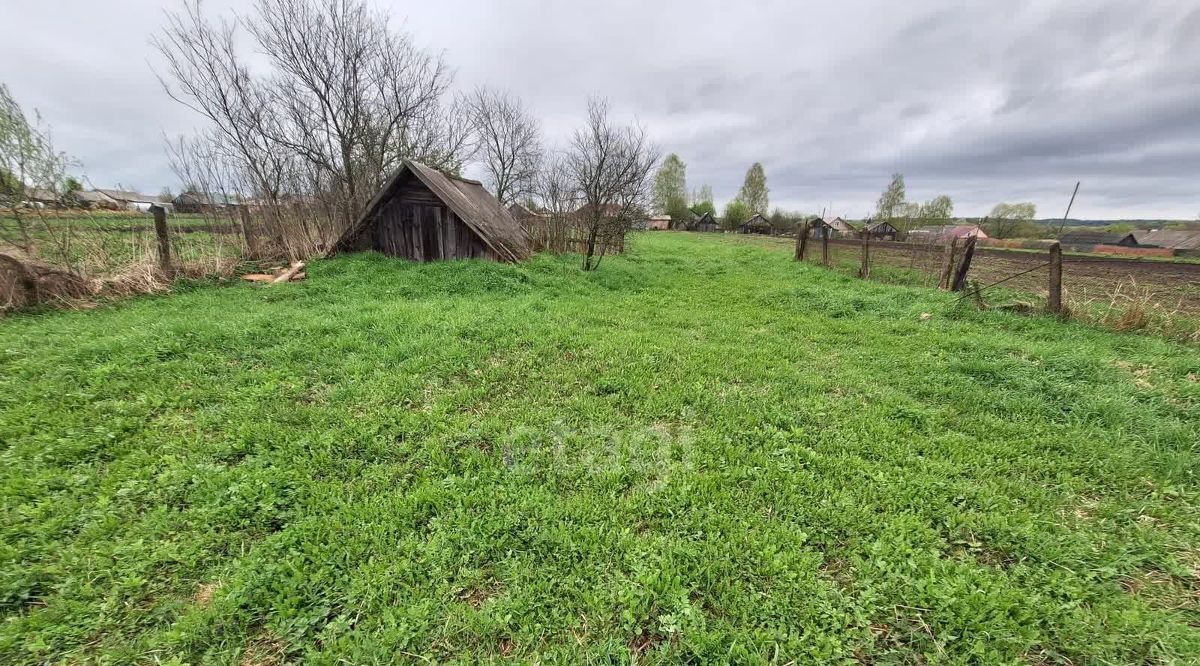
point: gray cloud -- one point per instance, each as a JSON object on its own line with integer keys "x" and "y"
{"x": 985, "y": 102}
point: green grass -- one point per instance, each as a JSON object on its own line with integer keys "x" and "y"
{"x": 702, "y": 452}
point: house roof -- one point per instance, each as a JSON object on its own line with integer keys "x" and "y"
{"x": 205, "y": 199}
{"x": 92, "y": 196}
{"x": 1093, "y": 238}
{"x": 468, "y": 199}
{"x": 757, "y": 218}
{"x": 881, "y": 225}
{"x": 520, "y": 211}
{"x": 126, "y": 196}
{"x": 951, "y": 231}
{"x": 610, "y": 209}
{"x": 41, "y": 194}
{"x": 838, "y": 224}
{"x": 1178, "y": 240}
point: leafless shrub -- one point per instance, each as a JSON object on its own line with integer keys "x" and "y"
{"x": 554, "y": 227}
{"x": 610, "y": 168}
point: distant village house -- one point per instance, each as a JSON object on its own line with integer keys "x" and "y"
{"x": 881, "y": 231}
{"x": 944, "y": 233}
{"x": 1085, "y": 240}
{"x": 658, "y": 222}
{"x": 705, "y": 223}
{"x": 833, "y": 227}
{"x": 133, "y": 200}
{"x": 757, "y": 224}
{"x": 202, "y": 202}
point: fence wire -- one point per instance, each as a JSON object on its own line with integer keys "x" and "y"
{"x": 1023, "y": 275}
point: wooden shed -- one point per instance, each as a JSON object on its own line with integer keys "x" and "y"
{"x": 758, "y": 224}
{"x": 705, "y": 222}
{"x": 882, "y": 231}
{"x": 834, "y": 227}
{"x": 427, "y": 215}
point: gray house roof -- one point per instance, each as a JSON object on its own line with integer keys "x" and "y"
{"x": 1094, "y": 238}
{"x": 838, "y": 224}
{"x": 204, "y": 199}
{"x": 1178, "y": 240}
{"x": 93, "y": 197}
{"x": 125, "y": 196}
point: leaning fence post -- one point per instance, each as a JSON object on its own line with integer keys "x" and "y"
{"x": 960, "y": 277}
{"x": 864, "y": 271}
{"x": 1054, "y": 302}
{"x": 802, "y": 242}
{"x": 799, "y": 241}
{"x": 164, "y": 241}
{"x": 944, "y": 283}
{"x": 825, "y": 246}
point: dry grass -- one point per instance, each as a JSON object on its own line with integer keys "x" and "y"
{"x": 265, "y": 649}
{"x": 1133, "y": 307}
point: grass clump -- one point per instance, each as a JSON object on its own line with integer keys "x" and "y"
{"x": 703, "y": 451}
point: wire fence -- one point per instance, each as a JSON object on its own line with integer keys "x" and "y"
{"x": 1126, "y": 292}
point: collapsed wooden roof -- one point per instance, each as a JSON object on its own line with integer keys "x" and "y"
{"x": 468, "y": 199}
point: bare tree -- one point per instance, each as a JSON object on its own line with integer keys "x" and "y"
{"x": 210, "y": 78}
{"x": 348, "y": 99}
{"x": 510, "y": 142}
{"x": 611, "y": 167}
{"x": 358, "y": 97}
{"x": 554, "y": 189}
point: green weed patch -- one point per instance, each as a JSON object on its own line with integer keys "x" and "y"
{"x": 701, "y": 452}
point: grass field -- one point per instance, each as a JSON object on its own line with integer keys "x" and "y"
{"x": 701, "y": 452}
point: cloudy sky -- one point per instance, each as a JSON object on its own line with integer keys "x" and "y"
{"x": 983, "y": 100}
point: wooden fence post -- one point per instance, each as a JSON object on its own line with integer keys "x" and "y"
{"x": 864, "y": 271}
{"x": 825, "y": 246}
{"x": 944, "y": 283}
{"x": 802, "y": 242}
{"x": 164, "y": 241}
{"x": 1054, "y": 302}
{"x": 799, "y": 241}
{"x": 960, "y": 276}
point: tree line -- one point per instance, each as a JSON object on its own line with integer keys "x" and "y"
{"x": 671, "y": 197}
{"x": 1006, "y": 220}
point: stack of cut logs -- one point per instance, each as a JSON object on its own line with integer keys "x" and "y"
{"x": 293, "y": 273}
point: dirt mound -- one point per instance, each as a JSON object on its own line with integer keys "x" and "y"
{"x": 24, "y": 283}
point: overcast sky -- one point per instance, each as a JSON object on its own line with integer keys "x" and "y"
{"x": 986, "y": 101}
